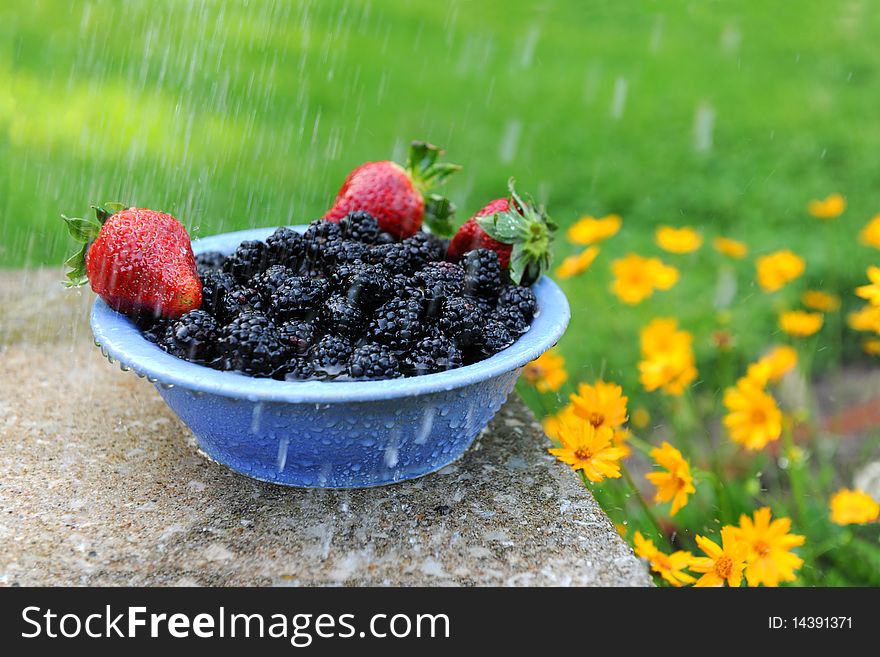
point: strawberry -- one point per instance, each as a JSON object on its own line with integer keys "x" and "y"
{"x": 470, "y": 236}
{"x": 516, "y": 230}
{"x": 398, "y": 196}
{"x": 137, "y": 260}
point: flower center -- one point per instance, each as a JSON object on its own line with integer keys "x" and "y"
{"x": 597, "y": 419}
{"x": 762, "y": 548}
{"x": 758, "y": 416}
{"x": 583, "y": 453}
{"x": 724, "y": 566}
{"x": 533, "y": 373}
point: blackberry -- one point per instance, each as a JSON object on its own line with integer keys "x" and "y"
{"x": 512, "y": 318}
{"x": 285, "y": 247}
{"x": 215, "y": 285}
{"x": 485, "y": 305}
{"x": 385, "y": 238}
{"x": 521, "y": 298}
{"x": 482, "y": 272}
{"x": 403, "y": 287}
{"x": 239, "y": 299}
{"x": 296, "y": 336}
{"x": 359, "y": 225}
{"x": 249, "y": 344}
{"x": 425, "y": 248}
{"x": 373, "y": 361}
{"x": 250, "y": 258}
{"x": 209, "y": 261}
{"x": 152, "y": 327}
{"x": 494, "y": 336}
{"x": 297, "y": 369}
{"x": 460, "y": 319}
{"x": 396, "y": 323}
{"x": 363, "y": 283}
{"x": 330, "y": 354}
{"x": 341, "y": 315}
{"x": 270, "y": 280}
{"x": 192, "y": 337}
{"x": 433, "y": 353}
{"x": 298, "y": 297}
{"x": 342, "y": 252}
{"x": 397, "y": 257}
{"x": 440, "y": 280}
{"x": 318, "y": 235}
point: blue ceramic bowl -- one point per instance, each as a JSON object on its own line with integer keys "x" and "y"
{"x": 331, "y": 434}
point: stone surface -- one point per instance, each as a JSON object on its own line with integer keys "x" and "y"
{"x": 102, "y": 485}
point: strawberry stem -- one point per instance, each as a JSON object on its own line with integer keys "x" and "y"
{"x": 529, "y": 229}
{"x": 85, "y": 231}
{"x": 426, "y": 172}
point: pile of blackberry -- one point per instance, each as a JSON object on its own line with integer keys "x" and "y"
{"x": 346, "y": 301}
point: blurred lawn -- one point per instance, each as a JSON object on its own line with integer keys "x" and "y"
{"x": 232, "y": 115}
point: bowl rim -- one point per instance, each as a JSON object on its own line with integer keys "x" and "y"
{"x": 120, "y": 338}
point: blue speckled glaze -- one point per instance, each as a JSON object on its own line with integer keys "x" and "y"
{"x": 331, "y": 434}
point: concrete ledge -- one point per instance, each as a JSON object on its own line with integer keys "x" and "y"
{"x": 102, "y": 485}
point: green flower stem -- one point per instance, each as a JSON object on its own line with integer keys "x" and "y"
{"x": 644, "y": 505}
{"x": 642, "y": 445}
{"x": 795, "y": 475}
{"x": 725, "y": 503}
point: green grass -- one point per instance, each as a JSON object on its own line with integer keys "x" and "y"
{"x": 232, "y": 116}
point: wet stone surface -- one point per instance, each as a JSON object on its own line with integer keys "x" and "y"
{"x": 102, "y": 485}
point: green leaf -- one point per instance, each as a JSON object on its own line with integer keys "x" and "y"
{"x": 506, "y": 227}
{"x": 421, "y": 156}
{"x": 77, "y": 263}
{"x": 82, "y": 230}
{"x": 518, "y": 263}
{"x": 105, "y": 211}
{"x": 438, "y": 173}
{"x": 438, "y": 215}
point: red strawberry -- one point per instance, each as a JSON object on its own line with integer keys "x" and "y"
{"x": 136, "y": 260}
{"x": 397, "y": 196}
{"x": 516, "y": 230}
{"x": 471, "y": 236}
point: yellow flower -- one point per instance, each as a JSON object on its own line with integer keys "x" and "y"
{"x": 669, "y": 362}
{"x": 800, "y": 324}
{"x": 824, "y": 302}
{"x": 641, "y": 417}
{"x": 588, "y": 449}
{"x": 871, "y": 292}
{"x": 676, "y": 483}
{"x": 671, "y": 374}
{"x": 678, "y": 240}
{"x": 551, "y": 423}
{"x": 779, "y": 268}
{"x": 828, "y": 208}
{"x": 730, "y": 247}
{"x": 754, "y": 419}
{"x": 669, "y": 566}
{"x": 636, "y": 278}
{"x": 779, "y": 361}
{"x": 589, "y": 230}
{"x": 620, "y": 439}
{"x": 870, "y": 235}
{"x": 770, "y": 559}
{"x": 866, "y": 319}
{"x": 850, "y": 507}
{"x": 577, "y": 264}
{"x": 871, "y": 346}
{"x": 547, "y": 372}
{"x": 722, "y": 563}
{"x": 601, "y": 404}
